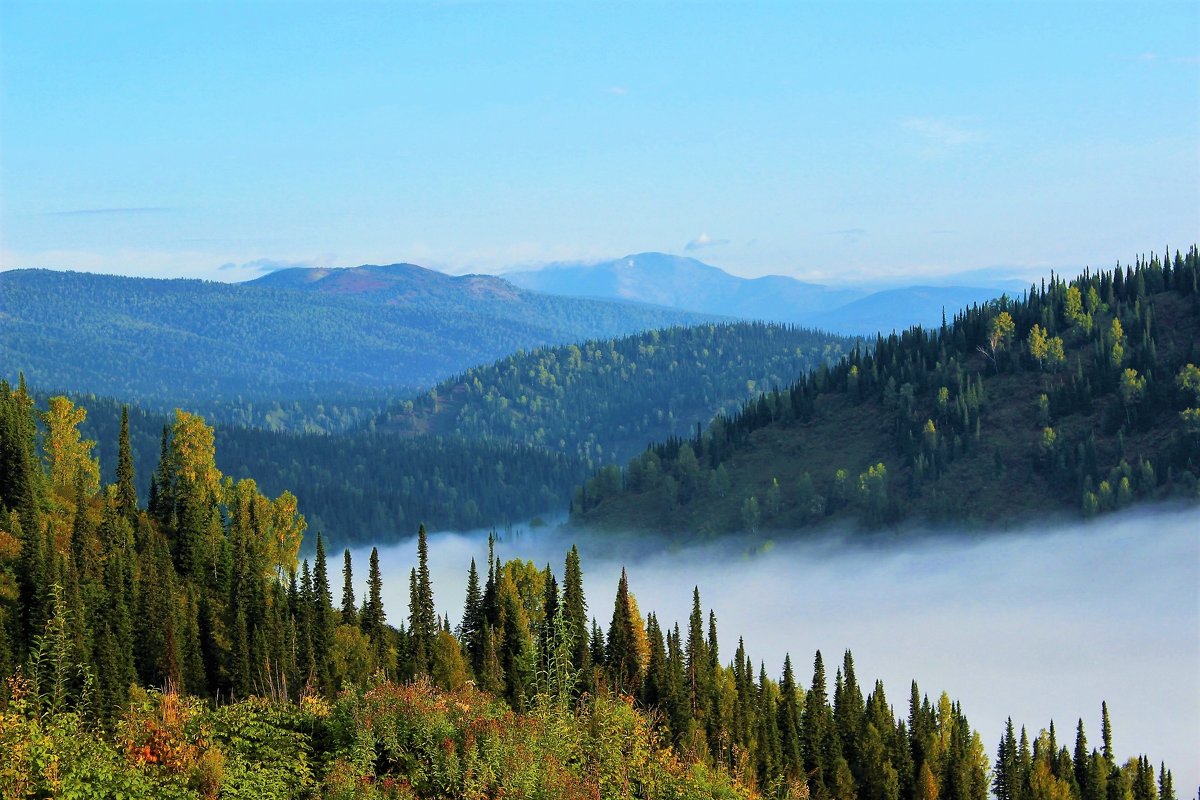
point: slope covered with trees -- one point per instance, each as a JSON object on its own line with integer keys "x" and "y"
{"x": 235, "y": 348}
{"x": 1079, "y": 395}
{"x": 263, "y": 686}
{"x": 365, "y": 485}
{"x": 604, "y": 400}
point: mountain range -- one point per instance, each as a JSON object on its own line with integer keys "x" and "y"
{"x": 329, "y": 335}
{"x": 688, "y": 284}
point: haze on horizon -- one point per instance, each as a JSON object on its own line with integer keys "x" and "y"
{"x": 820, "y": 140}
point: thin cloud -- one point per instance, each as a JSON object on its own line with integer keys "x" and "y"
{"x": 266, "y": 265}
{"x": 620, "y": 91}
{"x": 702, "y": 241}
{"x": 939, "y": 132}
{"x": 851, "y": 235}
{"x": 87, "y": 212}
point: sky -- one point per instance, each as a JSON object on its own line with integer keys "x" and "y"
{"x": 827, "y": 141}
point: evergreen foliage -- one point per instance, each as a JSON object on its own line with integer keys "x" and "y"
{"x": 1078, "y": 394}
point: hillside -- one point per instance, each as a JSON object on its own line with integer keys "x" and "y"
{"x": 1075, "y": 397}
{"x": 328, "y": 335}
{"x": 359, "y": 486}
{"x": 688, "y": 284}
{"x": 605, "y": 400}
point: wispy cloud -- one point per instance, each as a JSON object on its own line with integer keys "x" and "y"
{"x": 702, "y": 241}
{"x": 1150, "y": 57}
{"x": 849, "y": 235}
{"x": 940, "y": 132}
{"x": 89, "y": 212}
{"x": 265, "y": 265}
{"x": 620, "y": 91}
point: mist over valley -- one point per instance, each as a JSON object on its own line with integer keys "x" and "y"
{"x": 1034, "y": 623}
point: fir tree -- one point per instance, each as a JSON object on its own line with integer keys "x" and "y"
{"x": 698, "y": 674}
{"x": 126, "y": 491}
{"x": 349, "y": 612}
{"x": 575, "y": 617}
{"x": 550, "y": 616}
{"x": 322, "y": 622}
{"x": 422, "y": 620}
{"x": 788, "y": 711}
{"x": 373, "y": 617}
{"x": 621, "y": 658}
{"x": 470, "y": 630}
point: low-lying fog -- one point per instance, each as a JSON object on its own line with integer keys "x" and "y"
{"x": 1038, "y": 624}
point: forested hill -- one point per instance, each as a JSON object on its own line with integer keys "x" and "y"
{"x": 165, "y": 343}
{"x": 1080, "y": 395}
{"x": 357, "y": 486}
{"x": 605, "y": 400}
{"x": 183, "y": 650}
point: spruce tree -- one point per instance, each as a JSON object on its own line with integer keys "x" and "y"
{"x": 1106, "y": 735}
{"x": 470, "y": 630}
{"x": 791, "y": 760}
{"x": 373, "y": 616}
{"x": 547, "y": 636}
{"x": 420, "y": 651}
{"x": 817, "y": 727}
{"x": 322, "y": 622}
{"x": 422, "y": 620}
{"x": 849, "y": 712}
{"x": 349, "y": 612}
{"x": 126, "y": 490}
{"x": 162, "y": 494}
{"x": 575, "y": 616}
{"x": 621, "y": 658}
{"x": 698, "y": 674}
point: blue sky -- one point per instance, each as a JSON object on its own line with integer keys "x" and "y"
{"x": 826, "y": 141}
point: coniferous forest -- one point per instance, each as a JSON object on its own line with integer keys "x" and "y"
{"x": 1081, "y": 395}
{"x": 181, "y": 648}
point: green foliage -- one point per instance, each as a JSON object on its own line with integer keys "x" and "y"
{"x": 602, "y": 400}
{"x": 1105, "y": 365}
{"x": 250, "y": 352}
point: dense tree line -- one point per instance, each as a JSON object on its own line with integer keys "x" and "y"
{"x": 1079, "y": 393}
{"x": 201, "y": 592}
{"x": 363, "y": 485}
{"x": 247, "y": 353}
{"x": 604, "y": 400}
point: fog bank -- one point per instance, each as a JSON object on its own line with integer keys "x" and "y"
{"x": 1038, "y": 624}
